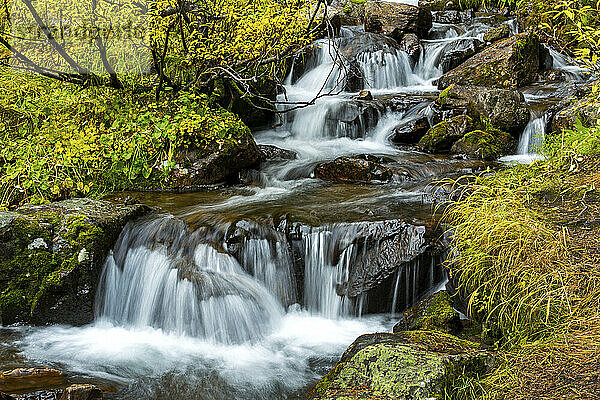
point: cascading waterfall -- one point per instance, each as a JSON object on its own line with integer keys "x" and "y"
{"x": 188, "y": 288}
{"x": 259, "y": 318}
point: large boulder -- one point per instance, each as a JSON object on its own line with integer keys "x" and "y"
{"x": 441, "y": 137}
{"x": 489, "y": 144}
{"x": 397, "y": 19}
{"x": 510, "y": 63}
{"x": 52, "y": 255}
{"x": 503, "y": 109}
{"x": 416, "y": 365}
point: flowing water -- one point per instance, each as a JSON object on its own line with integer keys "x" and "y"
{"x": 254, "y": 291}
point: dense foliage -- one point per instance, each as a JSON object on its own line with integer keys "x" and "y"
{"x": 66, "y": 131}
{"x": 59, "y": 140}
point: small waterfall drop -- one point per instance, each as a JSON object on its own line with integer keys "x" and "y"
{"x": 532, "y": 139}
{"x": 183, "y": 286}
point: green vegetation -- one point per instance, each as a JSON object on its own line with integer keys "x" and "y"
{"x": 59, "y": 140}
{"x": 527, "y": 252}
{"x": 83, "y": 122}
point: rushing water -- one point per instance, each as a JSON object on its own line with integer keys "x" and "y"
{"x": 253, "y": 292}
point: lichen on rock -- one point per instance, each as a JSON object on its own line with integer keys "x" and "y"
{"x": 393, "y": 366}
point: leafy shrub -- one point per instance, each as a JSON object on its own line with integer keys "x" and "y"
{"x": 59, "y": 140}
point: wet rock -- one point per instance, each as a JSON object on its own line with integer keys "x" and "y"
{"x": 441, "y": 137}
{"x": 353, "y": 118}
{"x": 509, "y": 64}
{"x": 441, "y": 31}
{"x": 411, "y": 44}
{"x": 51, "y": 257}
{"x": 584, "y": 110}
{"x": 23, "y": 379}
{"x": 364, "y": 95}
{"x": 396, "y": 19}
{"x": 353, "y": 170}
{"x": 439, "y": 5}
{"x": 54, "y": 394}
{"x": 196, "y": 168}
{"x": 433, "y": 313}
{"x": 82, "y": 392}
{"x": 4, "y": 396}
{"x": 546, "y": 60}
{"x": 452, "y": 17}
{"x": 415, "y": 366}
{"x": 497, "y": 33}
{"x": 489, "y": 144}
{"x": 501, "y": 108}
{"x": 384, "y": 246}
{"x": 341, "y": 18}
{"x": 463, "y": 50}
{"x": 411, "y": 131}
{"x": 402, "y": 103}
{"x": 270, "y": 152}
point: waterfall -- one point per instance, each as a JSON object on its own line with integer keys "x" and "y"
{"x": 183, "y": 286}
{"x": 323, "y": 276}
{"x": 532, "y": 139}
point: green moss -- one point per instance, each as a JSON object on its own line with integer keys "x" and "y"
{"x": 486, "y": 144}
{"x": 30, "y": 268}
{"x": 438, "y": 315}
{"x": 439, "y": 138}
{"x": 444, "y": 94}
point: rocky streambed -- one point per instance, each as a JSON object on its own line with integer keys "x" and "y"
{"x": 324, "y": 232}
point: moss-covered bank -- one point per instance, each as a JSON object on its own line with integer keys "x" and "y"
{"x": 51, "y": 257}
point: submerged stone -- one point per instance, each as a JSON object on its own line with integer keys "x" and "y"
{"x": 353, "y": 170}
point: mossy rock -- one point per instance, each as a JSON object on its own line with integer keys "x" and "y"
{"x": 486, "y": 145}
{"x": 501, "y": 109}
{"x": 51, "y": 258}
{"x": 497, "y": 33}
{"x": 586, "y": 111}
{"x": 510, "y": 63}
{"x": 441, "y": 137}
{"x": 433, "y": 313}
{"x": 400, "y": 366}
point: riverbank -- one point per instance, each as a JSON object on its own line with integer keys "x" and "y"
{"x": 529, "y": 252}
